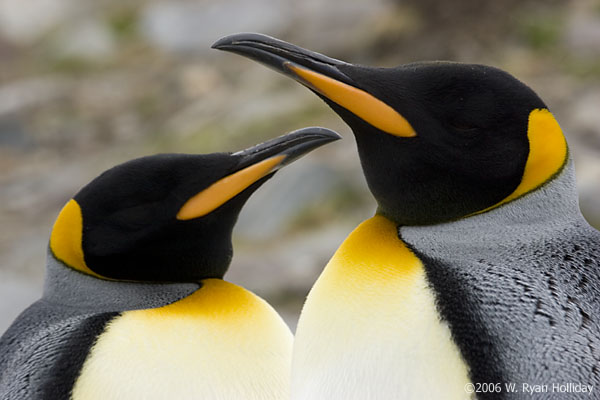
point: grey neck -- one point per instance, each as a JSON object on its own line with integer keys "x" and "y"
{"x": 538, "y": 213}
{"x": 71, "y": 288}
{"x": 516, "y": 285}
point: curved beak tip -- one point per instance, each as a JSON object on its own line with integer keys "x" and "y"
{"x": 239, "y": 37}
{"x": 305, "y": 140}
{"x": 222, "y": 42}
{"x": 325, "y": 133}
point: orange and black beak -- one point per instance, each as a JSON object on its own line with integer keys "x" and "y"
{"x": 254, "y": 164}
{"x": 321, "y": 74}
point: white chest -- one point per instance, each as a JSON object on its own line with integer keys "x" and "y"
{"x": 220, "y": 343}
{"x": 370, "y": 330}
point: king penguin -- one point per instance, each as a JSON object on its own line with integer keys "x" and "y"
{"x": 478, "y": 275}
{"x": 134, "y": 304}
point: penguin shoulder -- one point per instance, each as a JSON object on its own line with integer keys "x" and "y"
{"x": 43, "y": 350}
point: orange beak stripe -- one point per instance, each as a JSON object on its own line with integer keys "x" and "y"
{"x": 226, "y": 188}
{"x": 359, "y": 102}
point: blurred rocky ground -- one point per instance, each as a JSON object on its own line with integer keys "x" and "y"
{"x": 85, "y": 85}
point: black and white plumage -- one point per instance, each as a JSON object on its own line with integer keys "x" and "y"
{"x": 135, "y": 305}
{"x": 490, "y": 274}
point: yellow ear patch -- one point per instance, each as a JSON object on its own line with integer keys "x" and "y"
{"x": 547, "y": 153}
{"x": 226, "y": 188}
{"x": 359, "y": 102}
{"x": 66, "y": 238}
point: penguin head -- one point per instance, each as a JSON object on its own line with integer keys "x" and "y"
{"x": 169, "y": 217}
{"x": 438, "y": 141}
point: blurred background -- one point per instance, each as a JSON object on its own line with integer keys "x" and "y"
{"x": 85, "y": 85}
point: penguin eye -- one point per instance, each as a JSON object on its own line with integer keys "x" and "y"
{"x": 463, "y": 127}
{"x": 135, "y": 217}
